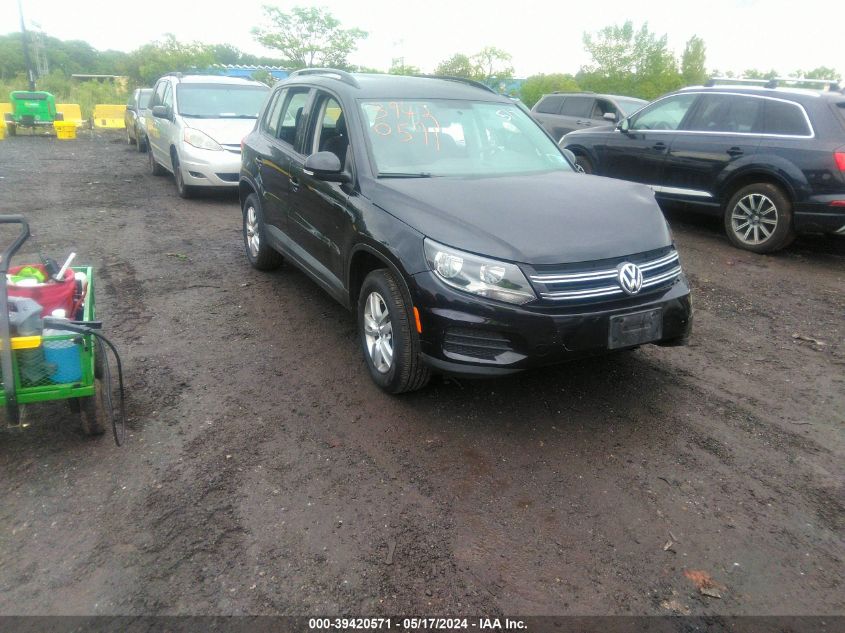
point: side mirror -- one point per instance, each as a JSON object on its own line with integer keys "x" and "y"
{"x": 609, "y": 116}
{"x": 325, "y": 166}
{"x": 623, "y": 126}
{"x": 161, "y": 112}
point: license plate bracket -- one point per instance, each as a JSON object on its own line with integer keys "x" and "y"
{"x": 635, "y": 328}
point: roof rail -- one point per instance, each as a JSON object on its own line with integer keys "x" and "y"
{"x": 463, "y": 80}
{"x": 342, "y": 75}
{"x": 830, "y": 84}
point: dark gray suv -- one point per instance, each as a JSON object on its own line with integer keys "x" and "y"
{"x": 561, "y": 113}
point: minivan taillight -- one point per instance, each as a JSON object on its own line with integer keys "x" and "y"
{"x": 839, "y": 157}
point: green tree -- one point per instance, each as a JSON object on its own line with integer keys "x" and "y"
{"x": 536, "y": 86}
{"x": 693, "y": 70}
{"x": 308, "y": 37}
{"x": 630, "y": 62}
{"x": 753, "y": 73}
{"x": 399, "y": 67}
{"x": 458, "y": 65}
{"x": 153, "y": 60}
{"x": 492, "y": 65}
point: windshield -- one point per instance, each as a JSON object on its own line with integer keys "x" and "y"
{"x": 441, "y": 137}
{"x": 220, "y": 101}
{"x": 144, "y": 99}
{"x": 629, "y": 106}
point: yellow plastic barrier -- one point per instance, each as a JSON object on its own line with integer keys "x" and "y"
{"x": 109, "y": 115}
{"x": 2, "y": 129}
{"x": 72, "y": 112}
{"x": 65, "y": 130}
{"x": 5, "y": 108}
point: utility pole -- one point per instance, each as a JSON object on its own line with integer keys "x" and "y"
{"x": 30, "y": 72}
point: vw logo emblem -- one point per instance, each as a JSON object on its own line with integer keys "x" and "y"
{"x": 630, "y": 278}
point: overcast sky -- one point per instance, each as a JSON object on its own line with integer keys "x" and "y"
{"x": 541, "y": 36}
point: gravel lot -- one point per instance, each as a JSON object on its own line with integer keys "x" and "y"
{"x": 265, "y": 474}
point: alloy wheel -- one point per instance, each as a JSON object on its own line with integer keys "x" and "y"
{"x": 378, "y": 331}
{"x": 754, "y": 219}
{"x": 253, "y": 241}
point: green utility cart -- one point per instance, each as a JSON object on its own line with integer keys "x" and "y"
{"x": 29, "y": 377}
{"x": 31, "y": 109}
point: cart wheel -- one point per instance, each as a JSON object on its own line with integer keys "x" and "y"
{"x": 98, "y": 361}
{"x": 92, "y": 412}
{"x": 13, "y": 129}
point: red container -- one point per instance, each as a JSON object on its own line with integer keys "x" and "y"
{"x": 51, "y": 296}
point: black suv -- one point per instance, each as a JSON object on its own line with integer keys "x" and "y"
{"x": 455, "y": 226}
{"x": 769, "y": 160}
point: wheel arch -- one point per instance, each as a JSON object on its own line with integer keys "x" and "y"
{"x": 364, "y": 259}
{"x": 749, "y": 177}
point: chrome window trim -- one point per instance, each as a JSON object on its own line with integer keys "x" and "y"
{"x": 735, "y": 94}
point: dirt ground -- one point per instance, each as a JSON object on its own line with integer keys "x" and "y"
{"x": 265, "y": 474}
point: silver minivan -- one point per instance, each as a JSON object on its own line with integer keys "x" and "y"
{"x": 194, "y": 127}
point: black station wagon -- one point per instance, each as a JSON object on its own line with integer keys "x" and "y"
{"x": 455, "y": 226}
{"x": 769, "y": 160}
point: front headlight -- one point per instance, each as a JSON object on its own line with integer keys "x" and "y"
{"x": 480, "y": 276}
{"x": 200, "y": 140}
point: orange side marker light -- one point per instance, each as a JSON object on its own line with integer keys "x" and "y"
{"x": 417, "y": 319}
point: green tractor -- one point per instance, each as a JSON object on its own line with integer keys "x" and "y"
{"x": 31, "y": 109}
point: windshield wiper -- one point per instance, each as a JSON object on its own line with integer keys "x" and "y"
{"x": 398, "y": 174}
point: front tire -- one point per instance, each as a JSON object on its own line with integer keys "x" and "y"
{"x": 758, "y": 218}
{"x": 185, "y": 191}
{"x": 585, "y": 163}
{"x": 260, "y": 254}
{"x": 155, "y": 168}
{"x": 389, "y": 340}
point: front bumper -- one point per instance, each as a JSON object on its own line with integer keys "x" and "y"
{"x": 206, "y": 168}
{"x": 514, "y": 338}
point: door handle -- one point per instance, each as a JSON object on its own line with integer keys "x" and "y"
{"x": 294, "y": 183}
{"x": 659, "y": 146}
{"x": 584, "y": 122}
{"x": 735, "y": 151}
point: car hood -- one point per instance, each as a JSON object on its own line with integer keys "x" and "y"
{"x": 224, "y": 131}
{"x": 550, "y": 218}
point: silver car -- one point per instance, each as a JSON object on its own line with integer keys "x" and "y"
{"x": 194, "y": 128}
{"x": 133, "y": 118}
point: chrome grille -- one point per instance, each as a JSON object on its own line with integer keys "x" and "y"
{"x": 659, "y": 272}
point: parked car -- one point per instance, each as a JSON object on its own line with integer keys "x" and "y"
{"x": 561, "y": 113}
{"x": 769, "y": 160}
{"x": 134, "y": 118}
{"x": 457, "y": 229}
{"x": 194, "y": 128}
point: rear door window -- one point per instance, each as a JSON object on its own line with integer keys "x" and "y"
{"x": 291, "y": 116}
{"x": 727, "y": 114}
{"x": 550, "y": 104}
{"x": 578, "y": 106}
{"x": 784, "y": 118}
{"x": 270, "y": 123}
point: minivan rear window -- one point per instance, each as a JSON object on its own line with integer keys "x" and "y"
{"x": 784, "y": 118}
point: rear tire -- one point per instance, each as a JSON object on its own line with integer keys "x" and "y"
{"x": 13, "y": 129}
{"x": 260, "y": 254}
{"x": 141, "y": 144}
{"x": 758, "y": 218}
{"x": 388, "y": 337}
{"x": 92, "y": 412}
{"x": 155, "y": 168}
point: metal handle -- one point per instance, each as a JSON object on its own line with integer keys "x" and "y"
{"x": 659, "y": 146}
{"x": 9, "y": 252}
{"x": 735, "y": 151}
